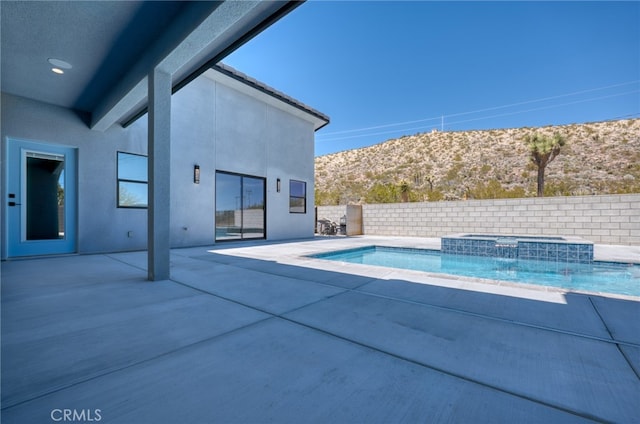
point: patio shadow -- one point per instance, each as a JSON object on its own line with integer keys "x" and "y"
{"x": 234, "y": 338}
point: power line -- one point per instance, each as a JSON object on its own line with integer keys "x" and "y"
{"x": 441, "y": 118}
{"x": 547, "y": 98}
{"x": 627, "y": 116}
{"x": 546, "y": 107}
{"x": 481, "y": 118}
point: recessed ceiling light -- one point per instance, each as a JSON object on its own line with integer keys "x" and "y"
{"x": 60, "y": 64}
{"x": 57, "y": 71}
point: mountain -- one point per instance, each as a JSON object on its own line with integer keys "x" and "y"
{"x": 598, "y": 158}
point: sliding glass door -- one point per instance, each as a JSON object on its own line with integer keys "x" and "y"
{"x": 240, "y": 207}
{"x": 253, "y": 207}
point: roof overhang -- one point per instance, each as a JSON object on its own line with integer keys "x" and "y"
{"x": 240, "y": 82}
{"x": 228, "y": 26}
{"x": 114, "y": 45}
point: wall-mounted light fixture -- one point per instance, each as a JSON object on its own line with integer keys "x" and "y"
{"x": 278, "y": 185}
{"x": 196, "y": 174}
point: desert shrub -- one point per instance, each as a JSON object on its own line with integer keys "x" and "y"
{"x": 383, "y": 193}
{"x": 559, "y": 188}
{"x": 435, "y": 195}
{"x": 493, "y": 189}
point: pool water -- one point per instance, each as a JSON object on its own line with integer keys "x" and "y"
{"x": 606, "y": 277}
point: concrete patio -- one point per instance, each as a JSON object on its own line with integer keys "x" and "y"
{"x": 259, "y": 333}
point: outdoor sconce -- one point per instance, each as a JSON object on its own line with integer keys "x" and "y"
{"x": 196, "y": 174}
{"x": 278, "y": 185}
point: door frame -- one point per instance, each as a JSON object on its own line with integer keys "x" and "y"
{"x": 264, "y": 211}
{"x": 15, "y": 183}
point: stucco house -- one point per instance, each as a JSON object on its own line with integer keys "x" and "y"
{"x": 241, "y": 168}
{"x": 188, "y": 152}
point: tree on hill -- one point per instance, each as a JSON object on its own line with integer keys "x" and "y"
{"x": 404, "y": 191}
{"x": 543, "y": 150}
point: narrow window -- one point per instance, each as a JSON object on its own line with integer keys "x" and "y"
{"x": 297, "y": 196}
{"x": 132, "y": 181}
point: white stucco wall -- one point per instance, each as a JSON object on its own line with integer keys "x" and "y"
{"x": 241, "y": 134}
{"x": 101, "y": 225}
{"x": 296, "y": 162}
{"x": 192, "y": 142}
{"x": 214, "y": 126}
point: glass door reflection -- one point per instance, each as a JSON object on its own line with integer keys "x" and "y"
{"x": 228, "y": 206}
{"x": 253, "y": 207}
{"x": 44, "y": 208}
{"x": 240, "y": 207}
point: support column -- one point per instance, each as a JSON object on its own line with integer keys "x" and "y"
{"x": 159, "y": 150}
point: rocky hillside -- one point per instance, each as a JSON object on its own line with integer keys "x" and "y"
{"x": 598, "y": 158}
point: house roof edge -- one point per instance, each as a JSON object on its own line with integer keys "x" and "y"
{"x": 258, "y": 85}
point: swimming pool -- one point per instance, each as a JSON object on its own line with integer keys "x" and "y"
{"x": 605, "y": 277}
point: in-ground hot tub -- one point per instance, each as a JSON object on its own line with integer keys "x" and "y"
{"x": 560, "y": 249}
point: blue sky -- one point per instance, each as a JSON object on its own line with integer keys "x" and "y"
{"x": 381, "y": 70}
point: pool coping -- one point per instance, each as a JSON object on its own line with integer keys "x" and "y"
{"x": 560, "y": 239}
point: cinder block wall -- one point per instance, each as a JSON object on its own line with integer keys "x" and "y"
{"x": 608, "y": 219}
{"x": 332, "y": 213}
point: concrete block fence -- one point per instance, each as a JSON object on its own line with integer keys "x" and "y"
{"x": 607, "y": 219}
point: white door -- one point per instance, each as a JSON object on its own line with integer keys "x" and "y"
{"x": 41, "y": 198}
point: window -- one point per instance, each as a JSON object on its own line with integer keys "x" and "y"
{"x": 240, "y": 206}
{"x": 297, "y": 196}
{"x": 132, "y": 181}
